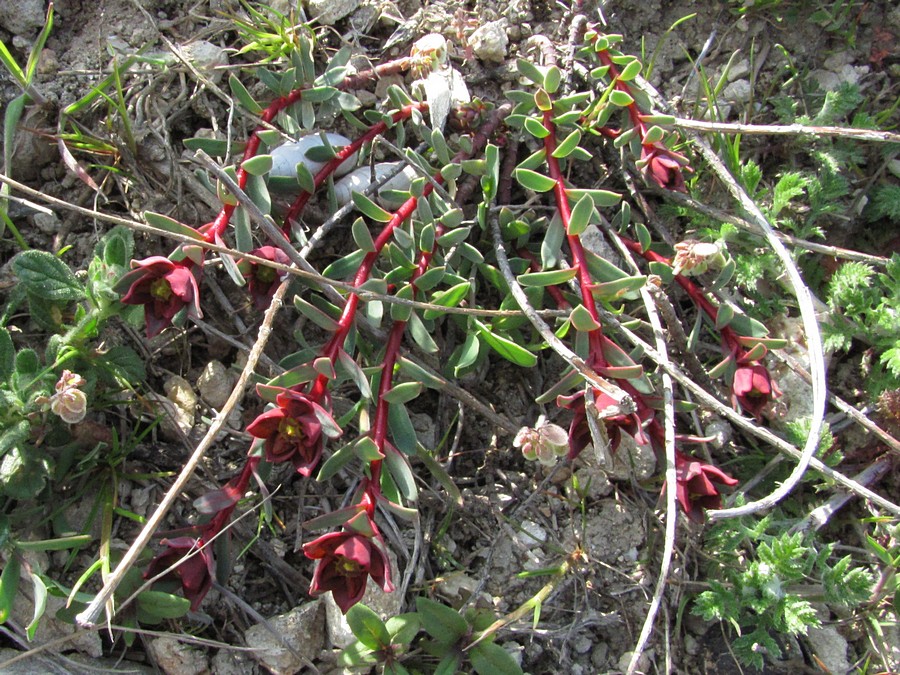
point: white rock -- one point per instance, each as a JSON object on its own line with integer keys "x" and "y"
{"x": 302, "y": 628}
{"x": 489, "y": 41}
{"x": 215, "y": 384}
{"x": 830, "y": 648}
{"x": 177, "y": 658}
{"x": 361, "y": 178}
{"x": 286, "y": 157}
{"x": 327, "y": 12}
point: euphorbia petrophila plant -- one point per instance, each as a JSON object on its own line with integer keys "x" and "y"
{"x": 423, "y": 250}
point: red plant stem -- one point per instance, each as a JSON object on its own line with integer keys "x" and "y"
{"x": 633, "y": 111}
{"x": 332, "y": 348}
{"x": 729, "y": 337}
{"x": 217, "y": 226}
{"x": 578, "y": 256}
{"x": 243, "y": 481}
{"x": 329, "y": 168}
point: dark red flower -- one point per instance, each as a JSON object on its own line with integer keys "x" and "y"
{"x": 164, "y": 288}
{"x": 347, "y": 560}
{"x": 696, "y": 486}
{"x": 580, "y": 432}
{"x": 753, "y": 388}
{"x": 263, "y": 280}
{"x": 195, "y": 573}
{"x": 663, "y": 166}
{"x": 293, "y": 431}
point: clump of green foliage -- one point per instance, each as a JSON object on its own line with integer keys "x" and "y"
{"x": 765, "y": 581}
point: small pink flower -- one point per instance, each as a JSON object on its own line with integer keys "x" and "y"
{"x": 164, "y": 288}
{"x": 292, "y": 431}
{"x": 262, "y": 280}
{"x": 753, "y": 388}
{"x": 195, "y": 573}
{"x": 545, "y": 442}
{"x": 663, "y": 166}
{"x": 346, "y": 561}
{"x": 696, "y": 486}
{"x": 69, "y": 402}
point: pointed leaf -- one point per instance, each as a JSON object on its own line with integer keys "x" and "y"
{"x": 620, "y": 98}
{"x": 440, "y": 474}
{"x": 314, "y": 314}
{"x": 724, "y": 315}
{"x": 362, "y": 236}
{"x": 400, "y": 470}
{"x": 165, "y": 223}
{"x": 243, "y": 96}
{"x": 582, "y": 320}
{"x": 369, "y": 208}
{"x": 506, "y": 347}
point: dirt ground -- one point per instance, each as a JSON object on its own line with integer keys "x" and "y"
{"x": 517, "y": 516}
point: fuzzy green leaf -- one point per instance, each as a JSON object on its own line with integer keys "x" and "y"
{"x": 45, "y": 276}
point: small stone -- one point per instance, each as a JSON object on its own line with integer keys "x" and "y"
{"x": 830, "y": 648}
{"x": 489, "y": 41}
{"x": 206, "y": 57}
{"x": 328, "y": 12}
{"x": 228, "y": 662}
{"x": 739, "y": 91}
{"x": 215, "y": 384}
{"x": 22, "y": 17}
{"x": 47, "y": 223}
{"x": 643, "y": 662}
{"x": 632, "y": 461}
{"x": 178, "y": 391}
{"x": 600, "y": 655}
{"x": 302, "y": 628}
{"x": 738, "y": 70}
{"x": 174, "y": 657}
